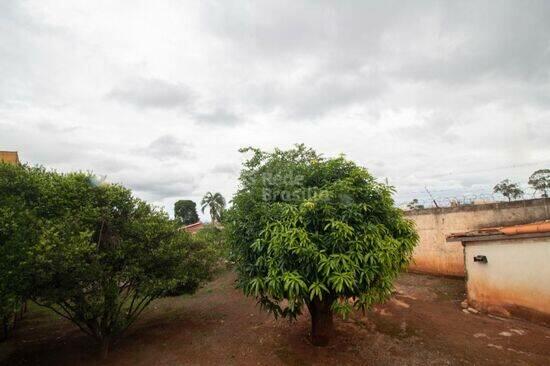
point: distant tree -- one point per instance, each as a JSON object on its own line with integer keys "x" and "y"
{"x": 540, "y": 181}
{"x": 185, "y": 212}
{"x": 306, "y": 231}
{"x": 414, "y": 205}
{"x": 216, "y": 205}
{"x": 508, "y": 189}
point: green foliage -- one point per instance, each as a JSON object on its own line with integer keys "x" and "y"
{"x": 540, "y": 181}
{"x": 216, "y": 205}
{"x": 92, "y": 252}
{"x": 508, "y": 189}
{"x": 215, "y": 237}
{"x": 303, "y": 227}
{"x": 185, "y": 211}
{"x": 19, "y": 227}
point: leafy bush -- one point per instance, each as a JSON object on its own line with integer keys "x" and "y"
{"x": 19, "y": 228}
{"x": 216, "y": 239}
{"x": 305, "y": 230}
{"x": 93, "y": 253}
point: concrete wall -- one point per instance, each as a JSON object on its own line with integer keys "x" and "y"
{"x": 515, "y": 280}
{"x": 435, "y": 256}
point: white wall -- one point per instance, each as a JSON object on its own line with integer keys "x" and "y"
{"x": 515, "y": 279}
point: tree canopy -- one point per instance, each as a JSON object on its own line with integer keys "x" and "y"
{"x": 215, "y": 203}
{"x": 508, "y": 189}
{"x": 314, "y": 231}
{"x": 185, "y": 211}
{"x": 540, "y": 181}
{"x": 20, "y": 209}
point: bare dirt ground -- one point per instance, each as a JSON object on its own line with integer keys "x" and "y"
{"x": 423, "y": 324}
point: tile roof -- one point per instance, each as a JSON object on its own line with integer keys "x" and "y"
{"x": 538, "y": 227}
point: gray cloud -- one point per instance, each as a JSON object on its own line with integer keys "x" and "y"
{"x": 486, "y": 42}
{"x": 316, "y": 95}
{"x": 218, "y": 116}
{"x": 153, "y": 93}
{"x": 225, "y": 168}
{"x": 412, "y": 89}
{"x": 50, "y": 127}
{"x": 167, "y": 147}
{"x": 437, "y": 127}
{"x": 348, "y": 52}
{"x": 159, "y": 94}
{"x": 157, "y": 185}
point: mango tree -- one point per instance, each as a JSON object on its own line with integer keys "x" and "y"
{"x": 314, "y": 231}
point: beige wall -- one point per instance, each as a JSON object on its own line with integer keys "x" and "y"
{"x": 436, "y": 256}
{"x": 515, "y": 279}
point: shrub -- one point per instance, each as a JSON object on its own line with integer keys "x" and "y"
{"x": 98, "y": 256}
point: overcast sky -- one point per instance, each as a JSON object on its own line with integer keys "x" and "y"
{"x": 159, "y": 95}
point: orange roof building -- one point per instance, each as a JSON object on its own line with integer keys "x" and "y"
{"x": 193, "y": 228}
{"x": 539, "y": 228}
{"x": 10, "y": 157}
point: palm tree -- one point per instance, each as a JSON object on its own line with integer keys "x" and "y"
{"x": 215, "y": 203}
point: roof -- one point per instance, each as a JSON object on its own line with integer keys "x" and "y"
{"x": 193, "y": 228}
{"x": 190, "y": 226}
{"x": 534, "y": 229}
{"x": 9, "y": 157}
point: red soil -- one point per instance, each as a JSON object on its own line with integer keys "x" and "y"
{"x": 423, "y": 324}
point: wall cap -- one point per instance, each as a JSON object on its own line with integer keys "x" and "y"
{"x": 481, "y": 207}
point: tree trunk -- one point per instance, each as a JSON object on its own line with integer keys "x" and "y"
{"x": 6, "y": 326}
{"x": 322, "y": 326}
{"x": 104, "y": 345}
{"x": 14, "y": 325}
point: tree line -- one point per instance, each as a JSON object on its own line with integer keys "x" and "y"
{"x": 185, "y": 211}
{"x": 539, "y": 181}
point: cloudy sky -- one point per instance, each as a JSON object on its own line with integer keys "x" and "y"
{"x": 159, "y": 95}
